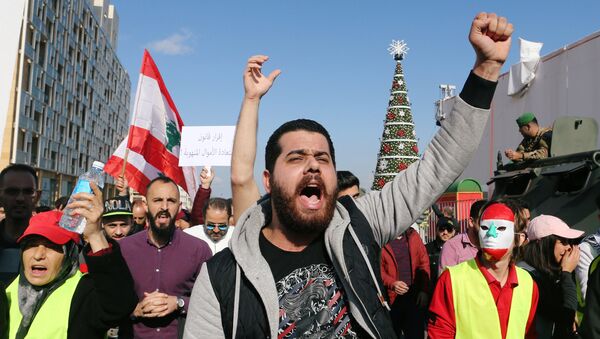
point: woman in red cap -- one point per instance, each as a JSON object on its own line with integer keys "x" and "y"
{"x": 50, "y": 298}
{"x": 551, "y": 256}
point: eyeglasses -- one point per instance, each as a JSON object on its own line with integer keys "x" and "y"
{"x": 211, "y": 226}
{"x": 14, "y": 192}
{"x": 449, "y": 229}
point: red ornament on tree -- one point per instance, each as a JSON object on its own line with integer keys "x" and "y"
{"x": 395, "y": 84}
{"x": 391, "y": 116}
{"x": 402, "y": 166}
{"x": 400, "y": 133}
{"x": 415, "y": 148}
{"x": 380, "y": 182}
{"x": 387, "y": 148}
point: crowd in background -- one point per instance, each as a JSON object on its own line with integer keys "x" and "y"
{"x": 314, "y": 257}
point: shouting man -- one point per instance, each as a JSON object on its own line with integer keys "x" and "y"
{"x": 301, "y": 263}
{"x": 164, "y": 263}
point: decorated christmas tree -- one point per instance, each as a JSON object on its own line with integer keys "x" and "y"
{"x": 399, "y": 141}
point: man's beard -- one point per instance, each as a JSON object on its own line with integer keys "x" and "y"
{"x": 165, "y": 233}
{"x": 215, "y": 237}
{"x": 292, "y": 218}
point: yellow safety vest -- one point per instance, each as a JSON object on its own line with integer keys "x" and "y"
{"x": 580, "y": 299}
{"x": 475, "y": 311}
{"x": 52, "y": 319}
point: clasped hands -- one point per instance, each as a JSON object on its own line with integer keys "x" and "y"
{"x": 155, "y": 305}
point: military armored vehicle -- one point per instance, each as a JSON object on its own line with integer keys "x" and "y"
{"x": 567, "y": 183}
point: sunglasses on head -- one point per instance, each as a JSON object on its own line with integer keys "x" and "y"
{"x": 211, "y": 226}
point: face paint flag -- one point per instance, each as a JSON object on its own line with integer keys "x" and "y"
{"x": 154, "y": 136}
{"x": 496, "y": 231}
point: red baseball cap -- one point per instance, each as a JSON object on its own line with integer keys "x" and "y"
{"x": 46, "y": 225}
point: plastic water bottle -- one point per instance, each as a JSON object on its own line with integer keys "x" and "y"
{"x": 76, "y": 222}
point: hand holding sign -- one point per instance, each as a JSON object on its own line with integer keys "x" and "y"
{"x": 206, "y": 177}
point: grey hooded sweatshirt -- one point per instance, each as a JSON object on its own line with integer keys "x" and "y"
{"x": 389, "y": 212}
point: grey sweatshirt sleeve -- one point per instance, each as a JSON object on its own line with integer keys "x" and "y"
{"x": 204, "y": 314}
{"x": 391, "y": 211}
{"x": 586, "y": 256}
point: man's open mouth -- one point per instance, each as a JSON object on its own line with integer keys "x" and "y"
{"x": 311, "y": 196}
{"x": 163, "y": 218}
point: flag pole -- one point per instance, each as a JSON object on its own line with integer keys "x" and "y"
{"x": 124, "y": 162}
{"x": 137, "y": 98}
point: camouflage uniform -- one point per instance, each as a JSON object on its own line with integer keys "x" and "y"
{"x": 537, "y": 147}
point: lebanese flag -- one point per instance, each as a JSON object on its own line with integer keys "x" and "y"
{"x": 154, "y": 136}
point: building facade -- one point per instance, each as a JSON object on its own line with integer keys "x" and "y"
{"x": 70, "y": 96}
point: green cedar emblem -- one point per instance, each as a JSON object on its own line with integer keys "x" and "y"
{"x": 492, "y": 232}
{"x": 173, "y": 136}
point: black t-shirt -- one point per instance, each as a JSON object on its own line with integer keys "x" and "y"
{"x": 5, "y": 240}
{"x": 10, "y": 257}
{"x": 312, "y": 301}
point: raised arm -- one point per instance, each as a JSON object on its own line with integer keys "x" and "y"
{"x": 244, "y": 189}
{"x": 400, "y": 202}
{"x": 110, "y": 295}
{"x": 122, "y": 186}
{"x": 91, "y": 207}
{"x": 490, "y": 37}
{"x": 202, "y": 195}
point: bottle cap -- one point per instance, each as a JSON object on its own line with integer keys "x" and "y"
{"x": 98, "y": 164}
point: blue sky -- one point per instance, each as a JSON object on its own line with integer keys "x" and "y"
{"x": 333, "y": 55}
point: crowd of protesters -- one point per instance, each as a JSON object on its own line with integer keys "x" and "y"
{"x": 315, "y": 257}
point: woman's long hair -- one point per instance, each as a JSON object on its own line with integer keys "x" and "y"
{"x": 539, "y": 254}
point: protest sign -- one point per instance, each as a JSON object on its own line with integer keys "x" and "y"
{"x": 206, "y": 145}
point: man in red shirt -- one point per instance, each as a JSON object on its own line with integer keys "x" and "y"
{"x": 461, "y": 304}
{"x": 405, "y": 274}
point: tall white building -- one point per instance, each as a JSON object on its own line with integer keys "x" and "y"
{"x": 64, "y": 95}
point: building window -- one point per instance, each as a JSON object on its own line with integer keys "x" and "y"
{"x": 42, "y": 52}
{"x": 47, "y": 94}
{"x": 35, "y": 144}
{"x": 21, "y": 140}
{"x": 53, "y": 156}
{"x": 38, "y": 121}
{"x": 27, "y": 75}
{"x": 60, "y": 71}
{"x": 30, "y": 35}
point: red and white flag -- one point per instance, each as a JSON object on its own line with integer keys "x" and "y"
{"x": 154, "y": 136}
